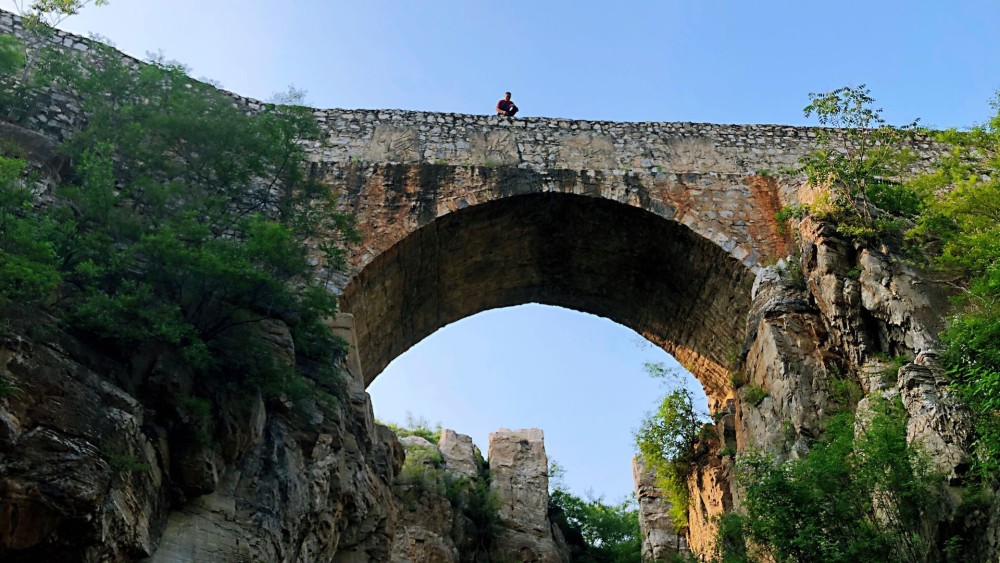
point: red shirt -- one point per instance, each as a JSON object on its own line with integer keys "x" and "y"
{"x": 505, "y": 105}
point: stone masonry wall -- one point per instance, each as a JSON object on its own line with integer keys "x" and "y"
{"x": 644, "y": 148}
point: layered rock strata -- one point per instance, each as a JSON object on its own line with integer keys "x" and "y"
{"x": 520, "y": 479}
{"x": 433, "y": 492}
{"x": 659, "y": 540}
{"x": 100, "y": 461}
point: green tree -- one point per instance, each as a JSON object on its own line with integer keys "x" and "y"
{"x": 51, "y": 12}
{"x": 862, "y": 160}
{"x": 610, "y": 532}
{"x": 18, "y": 61}
{"x": 29, "y": 271}
{"x": 854, "y": 497}
{"x": 184, "y": 223}
{"x": 961, "y": 230}
{"x": 667, "y": 439}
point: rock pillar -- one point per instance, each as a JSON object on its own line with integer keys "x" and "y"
{"x": 520, "y": 479}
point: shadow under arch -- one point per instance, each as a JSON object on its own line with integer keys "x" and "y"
{"x": 653, "y": 275}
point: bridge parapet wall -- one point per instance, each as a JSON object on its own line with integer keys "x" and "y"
{"x": 540, "y": 143}
{"x": 645, "y": 148}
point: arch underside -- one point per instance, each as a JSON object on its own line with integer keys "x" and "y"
{"x": 653, "y": 275}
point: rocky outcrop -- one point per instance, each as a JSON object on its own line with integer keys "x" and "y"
{"x": 824, "y": 330}
{"x": 782, "y": 399}
{"x": 520, "y": 479}
{"x": 440, "y": 510}
{"x": 461, "y": 457}
{"x": 425, "y": 518}
{"x": 95, "y": 466}
{"x": 659, "y": 540}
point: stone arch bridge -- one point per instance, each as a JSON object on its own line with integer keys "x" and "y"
{"x": 660, "y": 227}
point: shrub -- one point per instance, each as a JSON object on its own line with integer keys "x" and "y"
{"x": 610, "y": 531}
{"x": 786, "y": 214}
{"x": 667, "y": 440}
{"x": 183, "y": 226}
{"x": 423, "y": 470}
{"x": 417, "y": 427}
{"x": 851, "y": 498}
{"x": 755, "y": 394}
{"x": 843, "y": 393}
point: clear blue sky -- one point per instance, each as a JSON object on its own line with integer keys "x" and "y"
{"x": 576, "y": 376}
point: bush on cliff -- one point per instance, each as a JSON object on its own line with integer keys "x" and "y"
{"x": 183, "y": 223}
{"x": 960, "y": 230}
{"x": 860, "y": 494}
{"x": 667, "y": 439}
{"x": 595, "y": 531}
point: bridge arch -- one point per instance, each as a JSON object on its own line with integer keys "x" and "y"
{"x": 654, "y": 275}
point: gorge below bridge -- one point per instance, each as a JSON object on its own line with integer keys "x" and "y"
{"x": 666, "y": 228}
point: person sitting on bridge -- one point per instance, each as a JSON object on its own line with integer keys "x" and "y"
{"x": 506, "y": 107}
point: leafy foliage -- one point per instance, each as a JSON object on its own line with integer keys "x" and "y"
{"x": 610, "y": 532}
{"x": 861, "y": 159}
{"x": 852, "y": 498}
{"x": 29, "y": 271}
{"x": 183, "y": 226}
{"x": 51, "y": 12}
{"x": 755, "y": 394}
{"x": 416, "y": 426}
{"x": 12, "y": 62}
{"x": 960, "y": 228}
{"x": 481, "y": 508}
{"x": 423, "y": 470}
{"x": 667, "y": 440}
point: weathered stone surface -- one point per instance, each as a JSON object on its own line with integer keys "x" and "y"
{"x": 680, "y": 291}
{"x": 460, "y": 454}
{"x": 785, "y": 364}
{"x": 938, "y": 421}
{"x": 520, "y": 479}
{"x": 424, "y": 516}
{"x": 79, "y": 479}
{"x": 394, "y": 144}
{"x": 659, "y": 540}
{"x": 908, "y": 306}
{"x": 87, "y": 474}
{"x": 710, "y": 486}
{"x": 495, "y": 147}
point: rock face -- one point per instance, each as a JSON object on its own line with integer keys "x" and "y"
{"x": 520, "y": 479}
{"x": 424, "y": 516}
{"x": 91, "y": 471}
{"x": 433, "y": 521}
{"x": 835, "y": 316}
{"x": 460, "y": 454}
{"x": 659, "y": 540}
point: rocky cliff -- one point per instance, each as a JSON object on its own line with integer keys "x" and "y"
{"x": 451, "y": 506}
{"x": 830, "y": 313}
{"x": 660, "y": 542}
{"x": 103, "y": 461}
